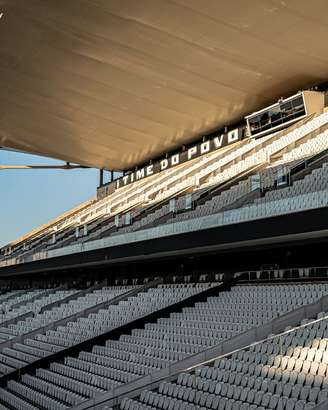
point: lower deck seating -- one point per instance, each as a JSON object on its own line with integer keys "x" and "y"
{"x": 19, "y": 354}
{"x": 289, "y": 372}
{"x": 159, "y": 344}
{"x": 18, "y": 302}
{"x": 83, "y": 328}
{"x": 53, "y": 314}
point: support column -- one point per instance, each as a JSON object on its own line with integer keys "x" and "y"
{"x": 101, "y": 177}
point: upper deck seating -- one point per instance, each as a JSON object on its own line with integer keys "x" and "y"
{"x": 122, "y": 211}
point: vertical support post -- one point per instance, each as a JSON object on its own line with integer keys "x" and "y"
{"x": 111, "y": 176}
{"x": 101, "y": 177}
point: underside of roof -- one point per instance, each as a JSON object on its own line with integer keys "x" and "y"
{"x": 113, "y": 83}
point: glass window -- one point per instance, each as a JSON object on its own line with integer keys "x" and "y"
{"x": 286, "y": 108}
{"x": 298, "y": 103}
{"x": 254, "y": 123}
{"x": 298, "y": 106}
{"x": 277, "y": 115}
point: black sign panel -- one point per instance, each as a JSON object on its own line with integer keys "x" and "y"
{"x": 211, "y": 144}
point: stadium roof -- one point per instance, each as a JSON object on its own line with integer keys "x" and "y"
{"x": 113, "y": 83}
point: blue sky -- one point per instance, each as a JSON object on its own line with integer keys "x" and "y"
{"x": 29, "y": 198}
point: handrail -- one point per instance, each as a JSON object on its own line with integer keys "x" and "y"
{"x": 282, "y": 271}
{"x": 240, "y": 342}
{"x": 306, "y": 163}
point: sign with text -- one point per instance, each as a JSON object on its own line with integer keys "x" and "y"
{"x": 211, "y": 144}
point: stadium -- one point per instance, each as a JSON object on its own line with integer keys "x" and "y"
{"x": 196, "y": 278}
